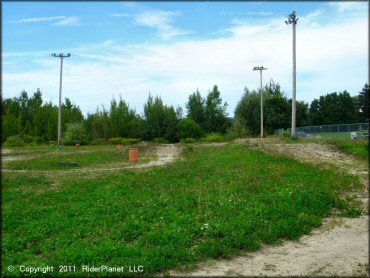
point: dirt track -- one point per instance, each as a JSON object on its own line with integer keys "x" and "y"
{"x": 165, "y": 154}
{"x": 339, "y": 248}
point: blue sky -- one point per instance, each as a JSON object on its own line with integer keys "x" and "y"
{"x": 170, "y": 49}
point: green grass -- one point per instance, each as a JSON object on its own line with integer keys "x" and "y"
{"x": 214, "y": 203}
{"x": 359, "y": 147}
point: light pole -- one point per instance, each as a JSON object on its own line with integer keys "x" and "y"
{"x": 61, "y": 56}
{"x": 292, "y": 19}
{"x": 261, "y": 69}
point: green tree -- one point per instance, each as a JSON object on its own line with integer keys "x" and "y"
{"x": 160, "y": 120}
{"x": 215, "y": 112}
{"x": 277, "y": 109}
{"x": 247, "y": 114}
{"x": 333, "y": 108}
{"x": 363, "y": 104}
{"x": 125, "y": 122}
{"x": 75, "y": 134}
{"x": 195, "y": 108}
{"x": 188, "y": 128}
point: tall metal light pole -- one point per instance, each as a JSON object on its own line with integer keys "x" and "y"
{"x": 261, "y": 69}
{"x": 292, "y": 19}
{"x": 61, "y": 56}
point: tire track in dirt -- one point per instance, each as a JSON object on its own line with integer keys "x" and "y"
{"x": 339, "y": 247}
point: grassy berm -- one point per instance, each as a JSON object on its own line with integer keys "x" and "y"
{"x": 213, "y": 203}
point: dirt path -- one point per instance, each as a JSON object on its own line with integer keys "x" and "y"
{"x": 165, "y": 154}
{"x": 339, "y": 247}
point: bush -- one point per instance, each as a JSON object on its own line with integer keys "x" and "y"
{"x": 123, "y": 141}
{"x": 213, "y": 137}
{"x": 188, "y": 140}
{"x": 286, "y": 134}
{"x": 188, "y": 128}
{"x": 27, "y": 139}
{"x": 14, "y": 141}
{"x": 75, "y": 134}
{"x": 160, "y": 140}
{"x": 99, "y": 141}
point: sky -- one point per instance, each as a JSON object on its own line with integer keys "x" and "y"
{"x": 171, "y": 49}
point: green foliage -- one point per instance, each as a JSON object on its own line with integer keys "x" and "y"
{"x": 125, "y": 122}
{"x": 209, "y": 113}
{"x": 333, "y": 108}
{"x": 22, "y": 140}
{"x": 188, "y": 140}
{"x": 160, "y": 120}
{"x": 14, "y": 141}
{"x": 195, "y": 108}
{"x": 215, "y": 112}
{"x": 363, "y": 104}
{"x": 215, "y": 202}
{"x": 123, "y": 141}
{"x": 277, "y": 111}
{"x": 160, "y": 140}
{"x": 247, "y": 113}
{"x": 213, "y": 137}
{"x": 75, "y": 134}
{"x": 188, "y": 128}
{"x": 29, "y": 115}
{"x": 286, "y": 134}
{"x": 99, "y": 141}
{"x": 358, "y": 147}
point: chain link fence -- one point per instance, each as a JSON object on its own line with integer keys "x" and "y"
{"x": 340, "y": 129}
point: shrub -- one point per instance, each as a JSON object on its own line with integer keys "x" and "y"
{"x": 188, "y": 128}
{"x": 286, "y": 134}
{"x": 123, "y": 141}
{"x": 213, "y": 137}
{"x": 27, "y": 139}
{"x": 14, "y": 141}
{"x": 75, "y": 134}
{"x": 99, "y": 141}
{"x": 188, "y": 140}
{"x": 160, "y": 140}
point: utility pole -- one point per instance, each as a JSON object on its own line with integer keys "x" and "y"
{"x": 292, "y": 19}
{"x": 61, "y": 56}
{"x": 261, "y": 69}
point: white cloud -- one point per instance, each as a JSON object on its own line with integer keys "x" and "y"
{"x": 120, "y": 15}
{"x": 59, "y": 20}
{"x": 260, "y": 13}
{"x": 162, "y": 21}
{"x": 37, "y": 19}
{"x": 349, "y": 6}
{"x": 332, "y": 57}
{"x": 68, "y": 21}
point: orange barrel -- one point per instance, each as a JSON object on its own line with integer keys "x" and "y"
{"x": 119, "y": 147}
{"x": 133, "y": 154}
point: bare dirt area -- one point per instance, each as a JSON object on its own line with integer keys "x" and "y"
{"x": 165, "y": 154}
{"x": 340, "y": 247}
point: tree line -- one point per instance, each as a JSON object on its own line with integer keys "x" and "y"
{"x": 32, "y": 120}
